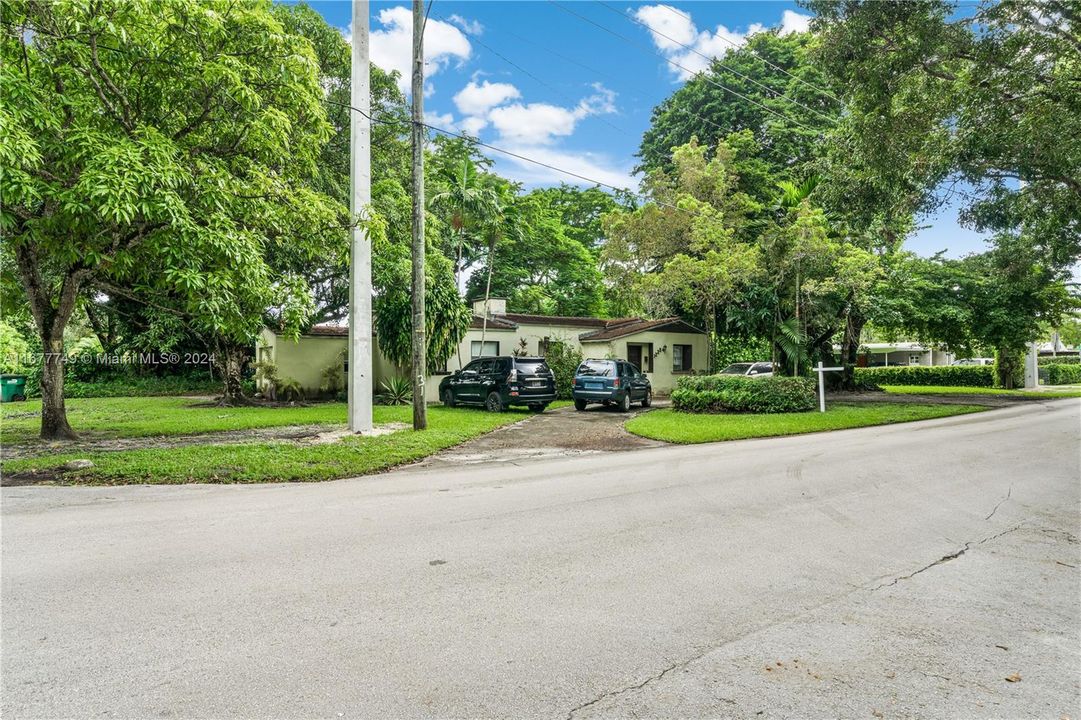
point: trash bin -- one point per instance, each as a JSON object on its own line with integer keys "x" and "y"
{"x": 12, "y": 387}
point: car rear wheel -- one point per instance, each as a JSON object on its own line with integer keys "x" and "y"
{"x": 648, "y": 399}
{"x": 494, "y": 403}
{"x": 579, "y": 404}
{"x": 625, "y": 403}
{"x": 448, "y": 398}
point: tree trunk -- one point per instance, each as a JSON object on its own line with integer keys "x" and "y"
{"x": 54, "y": 416}
{"x": 1008, "y": 363}
{"x": 850, "y": 348}
{"x": 711, "y": 337}
{"x": 231, "y": 363}
{"x": 51, "y": 320}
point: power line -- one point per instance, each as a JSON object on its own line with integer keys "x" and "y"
{"x": 603, "y": 74}
{"x": 548, "y": 85}
{"x": 524, "y": 158}
{"x": 682, "y": 67}
{"x": 754, "y": 52}
{"x": 717, "y": 61}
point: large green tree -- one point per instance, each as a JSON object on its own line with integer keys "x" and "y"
{"x": 540, "y": 267}
{"x": 161, "y": 150}
{"x": 981, "y": 99}
{"x": 771, "y": 87}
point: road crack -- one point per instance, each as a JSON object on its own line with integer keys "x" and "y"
{"x": 995, "y": 509}
{"x": 946, "y": 558}
{"x": 632, "y": 688}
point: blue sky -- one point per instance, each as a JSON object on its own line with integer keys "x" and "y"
{"x": 533, "y": 78}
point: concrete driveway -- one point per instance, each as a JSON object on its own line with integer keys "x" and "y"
{"x": 920, "y": 570}
{"x": 564, "y": 432}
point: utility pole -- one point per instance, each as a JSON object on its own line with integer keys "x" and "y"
{"x": 420, "y": 371}
{"x": 360, "y": 250}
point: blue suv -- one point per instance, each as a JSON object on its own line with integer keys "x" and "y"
{"x": 611, "y": 382}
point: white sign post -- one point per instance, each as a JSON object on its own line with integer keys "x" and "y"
{"x": 822, "y": 385}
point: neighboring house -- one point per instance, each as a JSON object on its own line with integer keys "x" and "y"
{"x": 900, "y": 353}
{"x": 664, "y": 349}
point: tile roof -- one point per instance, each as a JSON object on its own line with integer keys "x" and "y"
{"x": 328, "y": 330}
{"x": 618, "y": 329}
{"x": 554, "y": 320}
{"x": 495, "y": 322}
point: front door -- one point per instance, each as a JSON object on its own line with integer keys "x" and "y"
{"x": 634, "y": 355}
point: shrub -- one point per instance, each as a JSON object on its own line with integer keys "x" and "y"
{"x": 396, "y": 391}
{"x": 1062, "y": 374}
{"x": 949, "y": 375}
{"x": 140, "y": 386}
{"x": 1059, "y": 360}
{"x": 563, "y": 361}
{"x": 731, "y": 393}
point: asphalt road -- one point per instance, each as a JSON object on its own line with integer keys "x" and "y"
{"x": 904, "y": 571}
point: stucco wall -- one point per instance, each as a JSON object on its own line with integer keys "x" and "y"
{"x": 304, "y": 359}
{"x": 661, "y": 376}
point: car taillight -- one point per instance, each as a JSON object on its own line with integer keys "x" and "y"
{"x": 615, "y": 383}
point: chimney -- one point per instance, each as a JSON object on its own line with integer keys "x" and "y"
{"x": 496, "y": 306}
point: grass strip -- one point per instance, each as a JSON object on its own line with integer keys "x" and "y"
{"x": 686, "y": 428}
{"x": 283, "y": 461}
{"x": 960, "y": 390}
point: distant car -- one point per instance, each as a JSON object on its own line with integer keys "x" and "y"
{"x": 611, "y": 382}
{"x": 499, "y": 382}
{"x": 752, "y": 370}
{"x": 974, "y": 361}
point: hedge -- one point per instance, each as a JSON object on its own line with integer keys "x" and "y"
{"x": 732, "y": 393}
{"x": 1059, "y": 360}
{"x": 948, "y": 375}
{"x": 1062, "y": 374}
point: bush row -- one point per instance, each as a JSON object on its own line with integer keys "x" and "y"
{"x": 122, "y": 385}
{"x": 951, "y": 375}
{"x": 731, "y": 393}
{"x": 1059, "y": 360}
{"x": 1062, "y": 374}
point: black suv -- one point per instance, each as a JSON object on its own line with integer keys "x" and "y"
{"x": 496, "y": 382}
{"x": 611, "y": 382}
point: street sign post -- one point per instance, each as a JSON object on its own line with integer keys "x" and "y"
{"x": 822, "y": 384}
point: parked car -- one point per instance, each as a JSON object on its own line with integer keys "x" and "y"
{"x": 499, "y": 382}
{"x": 974, "y": 361}
{"x": 752, "y": 370}
{"x": 611, "y": 382}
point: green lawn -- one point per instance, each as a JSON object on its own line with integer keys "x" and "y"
{"x": 678, "y": 427}
{"x": 275, "y": 461}
{"x": 151, "y": 416}
{"x": 959, "y": 390}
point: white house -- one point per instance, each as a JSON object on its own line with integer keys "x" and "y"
{"x": 664, "y": 349}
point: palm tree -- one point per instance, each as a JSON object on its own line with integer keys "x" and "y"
{"x": 465, "y": 204}
{"x": 507, "y": 224}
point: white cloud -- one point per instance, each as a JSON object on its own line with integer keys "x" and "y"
{"x": 471, "y": 27}
{"x": 673, "y": 29}
{"x": 477, "y": 100}
{"x": 793, "y": 22}
{"x": 542, "y": 123}
{"x": 444, "y": 120}
{"x": 594, "y": 166}
{"x": 391, "y": 47}
{"x": 473, "y": 125}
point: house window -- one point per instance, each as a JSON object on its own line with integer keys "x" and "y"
{"x": 543, "y": 346}
{"x": 914, "y": 359}
{"x": 681, "y": 358}
{"x": 490, "y": 349}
